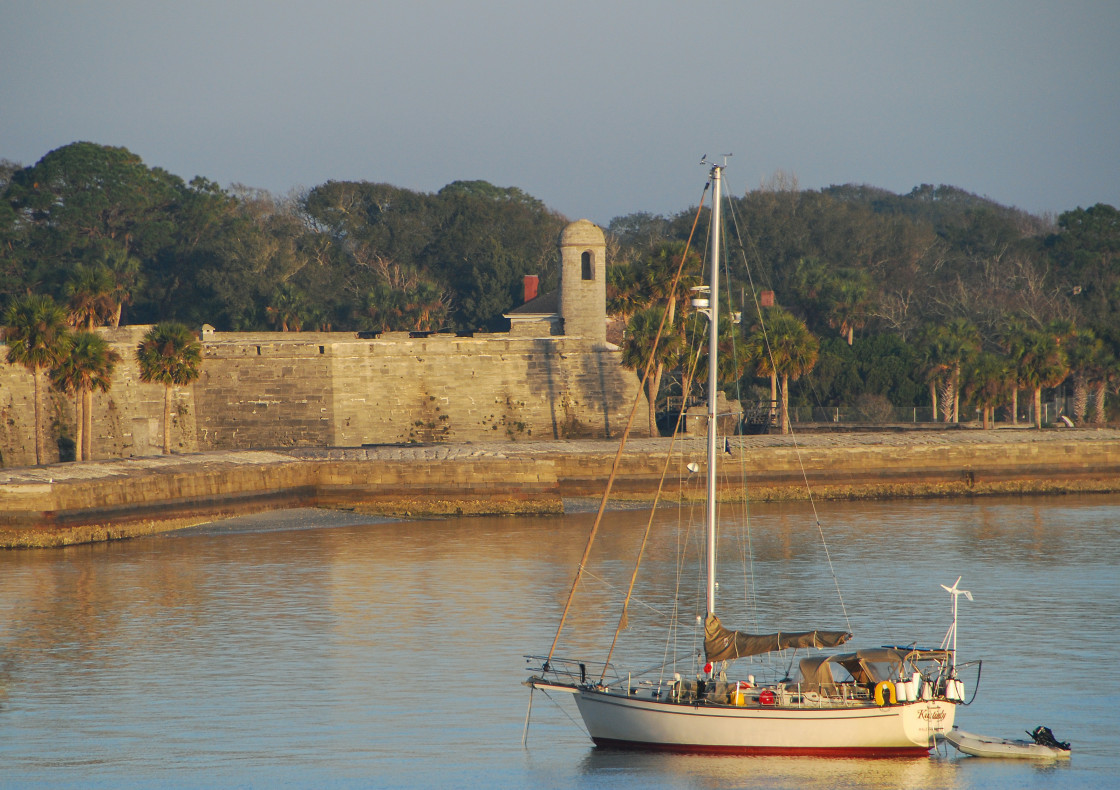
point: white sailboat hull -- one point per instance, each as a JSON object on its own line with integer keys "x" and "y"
{"x": 896, "y": 730}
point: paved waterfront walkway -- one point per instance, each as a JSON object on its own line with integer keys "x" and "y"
{"x": 744, "y": 443}
{"x": 216, "y": 460}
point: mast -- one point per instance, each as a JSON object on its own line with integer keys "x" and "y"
{"x": 713, "y": 359}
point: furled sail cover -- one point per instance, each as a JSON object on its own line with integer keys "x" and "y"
{"x": 723, "y": 644}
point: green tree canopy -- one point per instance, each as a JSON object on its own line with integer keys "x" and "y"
{"x": 78, "y": 198}
{"x": 1086, "y": 253}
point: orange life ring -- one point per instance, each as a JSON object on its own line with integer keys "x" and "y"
{"x": 882, "y": 691}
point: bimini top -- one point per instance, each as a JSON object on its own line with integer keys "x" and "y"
{"x": 816, "y": 671}
{"x": 893, "y": 655}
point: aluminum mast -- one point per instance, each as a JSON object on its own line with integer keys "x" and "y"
{"x": 713, "y": 360}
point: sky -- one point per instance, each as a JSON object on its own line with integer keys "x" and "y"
{"x": 599, "y": 109}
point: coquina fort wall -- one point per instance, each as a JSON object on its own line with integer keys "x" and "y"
{"x": 552, "y": 376}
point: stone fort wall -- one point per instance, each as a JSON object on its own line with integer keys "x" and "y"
{"x": 272, "y": 389}
{"x": 330, "y": 389}
{"x": 277, "y": 390}
{"x": 126, "y": 420}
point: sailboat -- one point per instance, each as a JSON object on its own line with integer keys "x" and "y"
{"x": 878, "y": 702}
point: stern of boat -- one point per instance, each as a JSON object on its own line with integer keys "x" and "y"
{"x": 926, "y": 721}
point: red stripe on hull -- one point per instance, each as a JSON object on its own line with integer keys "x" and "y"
{"x": 765, "y": 751}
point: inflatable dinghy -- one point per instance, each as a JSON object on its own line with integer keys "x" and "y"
{"x": 1042, "y": 746}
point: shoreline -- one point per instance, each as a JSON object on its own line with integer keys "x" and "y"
{"x": 67, "y": 504}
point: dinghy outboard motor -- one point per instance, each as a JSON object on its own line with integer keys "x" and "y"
{"x": 1044, "y": 737}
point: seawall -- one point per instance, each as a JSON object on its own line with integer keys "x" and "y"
{"x": 73, "y": 503}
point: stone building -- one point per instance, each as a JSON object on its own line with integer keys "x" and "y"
{"x": 579, "y": 308}
{"x": 552, "y": 376}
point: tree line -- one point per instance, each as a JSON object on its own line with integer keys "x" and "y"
{"x": 935, "y": 298}
{"x": 92, "y": 223}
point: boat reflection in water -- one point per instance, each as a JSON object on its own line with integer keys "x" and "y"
{"x": 795, "y": 773}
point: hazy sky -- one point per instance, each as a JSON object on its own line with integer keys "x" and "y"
{"x": 598, "y": 109}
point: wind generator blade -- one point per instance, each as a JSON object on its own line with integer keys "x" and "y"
{"x": 954, "y": 590}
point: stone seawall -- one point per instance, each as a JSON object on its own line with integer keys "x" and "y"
{"x": 69, "y": 503}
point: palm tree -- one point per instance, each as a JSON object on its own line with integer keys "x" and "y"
{"x": 988, "y": 380}
{"x": 641, "y": 333}
{"x": 382, "y": 304}
{"x": 648, "y": 281}
{"x": 638, "y": 292}
{"x": 37, "y": 337}
{"x": 946, "y": 348}
{"x": 848, "y": 294}
{"x": 623, "y": 297}
{"x": 756, "y": 353}
{"x": 1082, "y": 350}
{"x": 286, "y": 308}
{"x": 88, "y": 367}
{"x": 124, "y": 272}
{"x": 406, "y": 301}
{"x": 1043, "y": 364}
{"x": 932, "y": 366}
{"x": 782, "y": 348}
{"x": 1103, "y": 373}
{"x": 90, "y": 291}
{"x": 961, "y": 341}
{"x": 659, "y": 270}
{"x": 425, "y": 306}
{"x": 810, "y": 281}
{"x": 169, "y": 354}
{"x": 733, "y": 362}
{"x": 1013, "y": 341}
{"x": 931, "y": 373}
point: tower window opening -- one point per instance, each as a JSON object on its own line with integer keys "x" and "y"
{"x": 588, "y": 269}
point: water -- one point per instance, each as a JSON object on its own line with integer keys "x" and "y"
{"x": 317, "y": 649}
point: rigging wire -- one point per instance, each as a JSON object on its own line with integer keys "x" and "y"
{"x": 746, "y": 552}
{"x": 793, "y": 437}
{"x": 622, "y": 620}
{"x": 579, "y": 725}
{"x": 635, "y": 599}
{"x": 618, "y": 454}
{"x": 696, "y": 337}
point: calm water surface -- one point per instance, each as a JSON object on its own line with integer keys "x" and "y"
{"x": 317, "y": 649}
